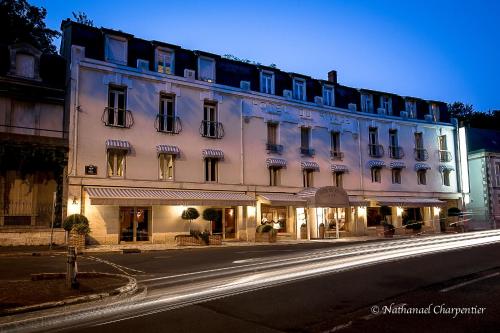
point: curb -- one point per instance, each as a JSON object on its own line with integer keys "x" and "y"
{"x": 128, "y": 289}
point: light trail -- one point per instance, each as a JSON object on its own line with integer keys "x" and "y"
{"x": 184, "y": 289}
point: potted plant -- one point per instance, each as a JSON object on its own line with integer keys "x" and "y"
{"x": 210, "y": 214}
{"x": 77, "y": 226}
{"x": 190, "y": 214}
{"x": 389, "y": 230}
{"x": 265, "y": 233}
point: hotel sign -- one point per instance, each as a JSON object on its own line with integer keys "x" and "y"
{"x": 331, "y": 196}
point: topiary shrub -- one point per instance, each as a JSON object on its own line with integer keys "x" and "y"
{"x": 190, "y": 214}
{"x": 78, "y": 222}
{"x": 210, "y": 214}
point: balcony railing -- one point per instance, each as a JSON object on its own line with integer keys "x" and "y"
{"x": 168, "y": 124}
{"x": 396, "y": 152}
{"x": 211, "y": 129}
{"x": 421, "y": 154}
{"x": 116, "y": 117}
{"x": 274, "y": 148}
{"x": 444, "y": 156}
{"x": 376, "y": 150}
{"x": 336, "y": 155}
{"x": 307, "y": 151}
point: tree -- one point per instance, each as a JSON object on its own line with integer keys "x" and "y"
{"x": 82, "y": 18}
{"x": 22, "y": 22}
{"x": 467, "y": 116}
{"x": 460, "y": 110}
{"x": 190, "y": 214}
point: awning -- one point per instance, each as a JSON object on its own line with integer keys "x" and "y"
{"x": 166, "y": 149}
{"x": 339, "y": 168}
{"x": 409, "y": 202}
{"x": 328, "y": 196}
{"x": 118, "y": 144}
{"x": 308, "y": 165}
{"x": 376, "y": 164}
{"x": 276, "y": 162}
{"x": 397, "y": 165}
{"x": 282, "y": 199}
{"x": 151, "y": 196}
{"x": 213, "y": 153}
{"x": 443, "y": 168}
{"x": 353, "y": 201}
{"x": 421, "y": 166}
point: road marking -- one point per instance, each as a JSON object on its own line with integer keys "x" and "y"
{"x": 121, "y": 268}
{"x": 339, "y": 327}
{"x": 469, "y": 282}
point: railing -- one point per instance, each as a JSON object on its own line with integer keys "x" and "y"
{"x": 307, "y": 151}
{"x": 274, "y": 148}
{"x": 168, "y": 124}
{"x": 444, "y": 156}
{"x": 421, "y": 154}
{"x": 116, "y": 117}
{"x": 336, "y": 155}
{"x": 376, "y": 150}
{"x": 211, "y": 129}
{"x": 396, "y": 152}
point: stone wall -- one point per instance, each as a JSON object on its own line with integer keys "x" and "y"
{"x": 30, "y": 236}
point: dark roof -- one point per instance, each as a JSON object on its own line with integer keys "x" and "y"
{"x": 483, "y": 139}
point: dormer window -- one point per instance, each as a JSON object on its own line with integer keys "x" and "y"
{"x": 386, "y": 104}
{"x": 299, "y": 89}
{"x": 267, "y": 82}
{"x": 25, "y": 65}
{"x": 164, "y": 61}
{"x": 206, "y": 69}
{"x": 328, "y": 98}
{"x": 116, "y": 50}
{"x": 366, "y": 103}
{"x": 411, "y": 108}
{"x": 24, "y": 61}
{"x": 434, "y": 111}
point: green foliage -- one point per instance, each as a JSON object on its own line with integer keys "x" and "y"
{"x": 244, "y": 60}
{"x": 190, "y": 214}
{"x": 77, "y": 222}
{"x": 265, "y": 228}
{"x": 210, "y": 214}
{"x": 22, "y": 22}
{"x": 204, "y": 236}
{"x": 466, "y": 115}
{"x": 81, "y": 229}
{"x": 82, "y": 18}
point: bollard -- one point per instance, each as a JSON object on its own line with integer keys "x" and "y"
{"x": 71, "y": 268}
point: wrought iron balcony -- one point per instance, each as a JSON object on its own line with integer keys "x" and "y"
{"x": 307, "y": 151}
{"x": 274, "y": 148}
{"x": 421, "y": 154}
{"x": 168, "y": 124}
{"x": 444, "y": 156}
{"x": 211, "y": 129}
{"x": 116, "y": 117}
{"x": 336, "y": 155}
{"x": 396, "y": 152}
{"x": 376, "y": 150}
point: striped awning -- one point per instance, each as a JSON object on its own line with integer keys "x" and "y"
{"x": 376, "y": 164}
{"x": 276, "y": 162}
{"x": 118, "y": 144}
{"x": 443, "y": 168}
{"x": 154, "y": 196}
{"x": 282, "y": 199}
{"x": 421, "y": 166}
{"x": 166, "y": 149}
{"x": 213, "y": 153}
{"x": 360, "y": 202}
{"x": 339, "y": 168}
{"x": 409, "y": 202}
{"x": 397, "y": 165}
{"x": 308, "y": 165}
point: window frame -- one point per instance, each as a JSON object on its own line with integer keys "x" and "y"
{"x": 211, "y": 168}
{"x": 107, "y": 55}
{"x": 163, "y": 50}
{"x": 308, "y": 178}
{"x": 422, "y": 177}
{"x": 335, "y": 142}
{"x": 163, "y": 113}
{"x": 168, "y": 159}
{"x": 365, "y": 97}
{"x": 332, "y": 97}
{"x": 113, "y": 154}
{"x": 274, "y": 176}
{"x": 338, "y": 179}
{"x": 308, "y": 135}
{"x": 411, "y": 108}
{"x": 396, "y": 176}
{"x": 446, "y": 177}
{"x": 118, "y": 90}
{"x": 264, "y": 73}
{"x": 272, "y": 133}
{"x": 376, "y": 174}
{"x": 387, "y": 105}
{"x": 209, "y": 80}
{"x": 295, "y": 86}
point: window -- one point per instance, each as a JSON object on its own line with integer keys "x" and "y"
{"x": 421, "y": 179}
{"x": 116, "y": 50}
{"x": 419, "y": 140}
{"x": 305, "y": 133}
{"x": 274, "y": 215}
{"x": 308, "y": 177}
{"x": 446, "y": 177}
{"x": 272, "y": 133}
{"x": 386, "y": 103}
{"x": 164, "y": 61}
{"x": 116, "y": 111}
{"x": 206, "y": 69}
{"x": 299, "y": 89}
{"x": 274, "y": 176}
{"x": 420, "y": 152}
{"x": 396, "y": 176}
{"x": 328, "y": 96}
{"x": 367, "y": 103}
{"x": 434, "y": 111}
{"x": 395, "y": 150}
{"x": 411, "y": 108}
{"x": 376, "y": 175}
{"x": 444, "y": 154}
{"x": 337, "y": 179}
{"x": 166, "y": 114}
{"x": 25, "y": 65}
{"x": 116, "y": 163}
{"x": 210, "y": 124}
{"x": 374, "y": 149}
{"x": 442, "y": 142}
{"x": 335, "y": 145}
{"x": 166, "y": 166}
{"x": 211, "y": 169}
{"x": 267, "y": 82}
{"x": 497, "y": 173}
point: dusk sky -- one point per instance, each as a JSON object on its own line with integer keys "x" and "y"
{"x": 438, "y": 50}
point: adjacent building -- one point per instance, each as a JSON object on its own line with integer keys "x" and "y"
{"x": 33, "y": 145}
{"x": 156, "y": 128}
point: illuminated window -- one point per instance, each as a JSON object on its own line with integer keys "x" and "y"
{"x": 166, "y": 166}
{"x": 116, "y": 163}
{"x": 164, "y": 61}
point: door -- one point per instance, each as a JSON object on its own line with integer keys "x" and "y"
{"x": 229, "y": 223}
{"x": 134, "y": 224}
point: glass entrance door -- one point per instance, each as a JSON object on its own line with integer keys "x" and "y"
{"x": 134, "y": 224}
{"x": 229, "y": 223}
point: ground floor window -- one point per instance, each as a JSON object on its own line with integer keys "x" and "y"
{"x": 412, "y": 214}
{"x": 277, "y": 216}
{"x": 135, "y": 224}
{"x": 373, "y": 216}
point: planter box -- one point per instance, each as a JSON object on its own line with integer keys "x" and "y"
{"x": 77, "y": 241}
{"x": 265, "y": 237}
{"x": 188, "y": 240}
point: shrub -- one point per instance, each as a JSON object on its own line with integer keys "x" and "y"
{"x": 267, "y": 228}
{"x": 81, "y": 229}
{"x": 204, "y": 236}
{"x": 75, "y": 220}
{"x": 190, "y": 214}
{"x": 210, "y": 214}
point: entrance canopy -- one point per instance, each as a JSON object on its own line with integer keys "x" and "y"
{"x": 328, "y": 196}
{"x": 150, "y": 196}
{"x": 282, "y": 199}
{"x": 409, "y": 202}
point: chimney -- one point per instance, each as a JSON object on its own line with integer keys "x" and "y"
{"x": 332, "y": 76}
